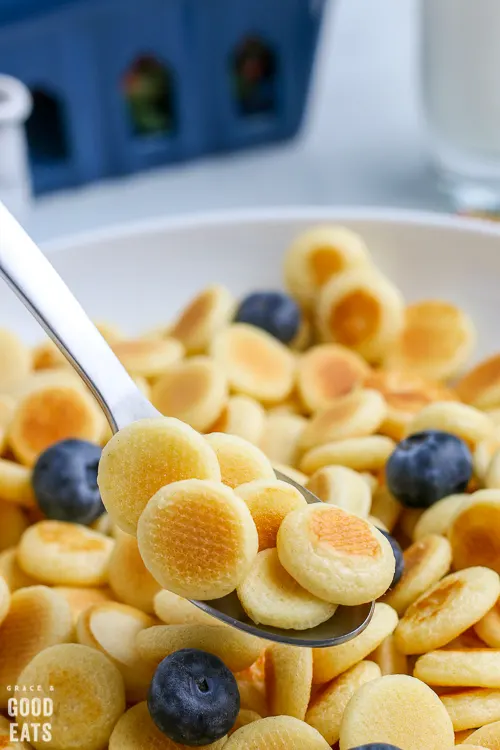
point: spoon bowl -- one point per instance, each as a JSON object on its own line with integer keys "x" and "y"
{"x": 33, "y": 279}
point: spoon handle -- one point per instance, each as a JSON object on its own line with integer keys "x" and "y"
{"x": 30, "y": 275}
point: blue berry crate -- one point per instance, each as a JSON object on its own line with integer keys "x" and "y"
{"x": 124, "y": 85}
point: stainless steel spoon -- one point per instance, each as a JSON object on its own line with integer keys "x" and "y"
{"x": 40, "y": 288}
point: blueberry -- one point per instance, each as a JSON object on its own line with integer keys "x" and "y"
{"x": 428, "y": 466}
{"x": 275, "y": 312}
{"x": 65, "y": 482}
{"x": 193, "y": 698}
{"x": 398, "y": 556}
{"x": 376, "y": 746}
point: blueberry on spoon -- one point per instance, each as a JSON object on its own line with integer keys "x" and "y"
{"x": 65, "y": 482}
{"x": 427, "y": 466}
{"x": 193, "y": 698}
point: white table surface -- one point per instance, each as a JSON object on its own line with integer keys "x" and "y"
{"x": 362, "y": 143}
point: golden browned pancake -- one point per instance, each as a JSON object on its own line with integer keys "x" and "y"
{"x": 129, "y": 579}
{"x": 328, "y": 371}
{"x": 361, "y": 309}
{"x": 148, "y": 357}
{"x": 38, "y": 618}
{"x": 317, "y": 255}
{"x": 88, "y": 694}
{"x": 255, "y": 363}
{"x": 436, "y": 341}
{"x": 50, "y": 414}
{"x": 474, "y": 533}
{"x": 242, "y": 416}
{"x": 205, "y": 315}
{"x": 194, "y": 391}
{"x": 15, "y": 484}
{"x": 145, "y": 456}
{"x": 288, "y": 679}
{"x": 337, "y": 556}
{"x": 343, "y": 487}
{"x": 197, "y": 538}
{"x": 462, "y": 420}
{"x": 240, "y": 461}
{"x": 481, "y": 385}
{"x": 13, "y": 523}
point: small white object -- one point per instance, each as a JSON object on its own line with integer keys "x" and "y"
{"x": 15, "y": 108}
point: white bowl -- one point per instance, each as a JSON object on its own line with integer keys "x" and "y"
{"x": 139, "y": 275}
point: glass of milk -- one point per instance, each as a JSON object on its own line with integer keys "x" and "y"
{"x": 460, "y": 69}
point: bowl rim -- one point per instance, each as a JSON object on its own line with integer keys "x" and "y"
{"x": 314, "y": 213}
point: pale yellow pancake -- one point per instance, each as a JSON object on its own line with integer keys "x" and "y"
{"x": 242, "y": 416}
{"x": 328, "y": 371}
{"x": 464, "y": 668}
{"x": 362, "y": 454}
{"x": 472, "y": 707}
{"x": 204, "y": 316}
{"x": 281, "y": 437}
{"x": 148, "y": 357}
{"x": 474, "y": 533}
{"x": 129, "y": 579}
{"x": 288, "y": 680}
{"x": 277, "y": 733}
{"x": 343, "y": 487}
{"x": 240, "y": 461}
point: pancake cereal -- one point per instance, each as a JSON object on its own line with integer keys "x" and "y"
{"x": 129, "y": 579}
{"x": 489, "y": 736}
{"x": 438, "y": 518}
{"x": 145, "y": 456}
{"x": 15, "y": 360}
{"x": 335, "y": 555}
{"x": 281, "y": 437}
{"x": 326, "y": 372}
{"x": 288, "y": 673}
{"x": 4, "y": 599}
{"x": 465, "y": 668}
{"x": 242, "y": 416}
{"x": 240, "y": 461}
{"x": 148, "y": 357}
{"x": 175, "y": 610}
{"x": 488, "y": 628}
{"x": 180, "y": 533}
{"x": 468, "y": 423}
{"x": 277, "y": 733}
{"x": 474, "y": 532}
{"x": 271, "y": 596}
{"x": 238, "y": 650}
{"x": 206, "y": 315}
{"x": 361, "y": 454}
{"x": 376, "y": 711}
{"x": 343, "y": 487}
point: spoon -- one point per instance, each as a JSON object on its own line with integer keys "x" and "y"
{"x": 26, "y": 270}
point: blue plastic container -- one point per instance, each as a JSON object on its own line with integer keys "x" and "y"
{"x": 124, "y": 85}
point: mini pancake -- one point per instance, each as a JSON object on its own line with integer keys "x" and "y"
{"x": 327, "y": 708}
{"x": 136, "y": 730}
{"x": 65, "y": 554}
{"x": 480, "y": 387}
{"x": 343, "y": 487}
{"x": 175, "y": 610}
{"x": 269, "y": 501}
{"x": 472, "y": 708}
{"x": 474, "y": 533}
{"x": 277, "y": 733}
{"x": 112, "y": 628}
{"x": 362, "y": 454}
{"x": 362, "y": 310}
{"x": 489, "y": 736}
{"x": 270, "y": 596}
{"x": 13, "y": 524}
{"x": 245, "y": 716}
{"x": 81, "y": 598}
{"x": 385, "y": 507}
{"x": 405, "y": 394}
{"x": 197, "y": 538}
{"x": 425, "y": 563}
{"x": 291, "y": 473}
{"x": 398, "y": 710}
{"x": 129, "y": 579}
{"x": 206, "y": 315}
{"x": 438, "y": 518}
{"x": 288, "y": 680}
{"x": 327, "y": 372}
{"x": 5, "y": 733}
{"x": 4, "y": 599}
{"x": 145, "y": 456}
{"x": 464, "y": 421}
{"x": 238, "y": 650}
{"x": 255, "y": 363}
{"x": 242, "y": 416}
{"x": 317, "y": 255}
{"x": 252, "y": 686}
{"x": 240, "y": 461}
{"x": 51, "y": 414}
{"x": 38, "y": 617}
{"x": 482, "y": 456}
{"x": 335, "y": 555}
{"x": 447, "y": 609}
{"x": 47, "y": 356}
{"x": 436, "y": 341}
{"x": 103, "y": 525}
{"x": 88, "y": 693}
{"x": 465, "y": 668}
{"x": 330, "y": 662}
{"x": 15, "y": 577}
{"x": 488, "y": 628}
{"x": 356, "y": 415}
{"x": 15, "y": 360}
{"x": 389, "y": 659}
{"x": 281, "y": 437}
{"x": 15, "y": 484}
{"x": 148, "y": 357}
{"x": 56, "y": 376}
{"x": 8, "y": 406}
{"x": 291, "y": 405}
{"x": 194, "y": 391}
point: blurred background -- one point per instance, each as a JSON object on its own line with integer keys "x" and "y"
{"x": 114, "y": 110}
